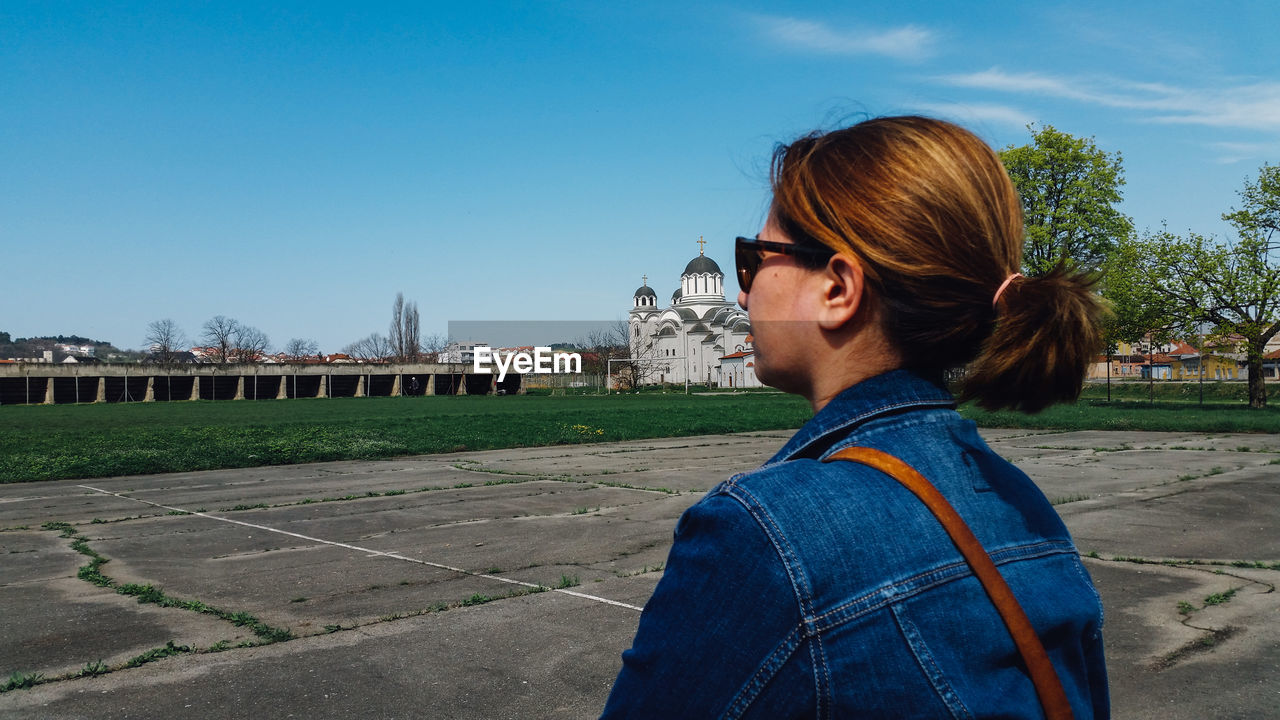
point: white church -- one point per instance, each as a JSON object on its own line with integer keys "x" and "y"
{"x": 700, "y": 337}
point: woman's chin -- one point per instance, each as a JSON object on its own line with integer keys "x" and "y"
{"x": 777, "y": 380}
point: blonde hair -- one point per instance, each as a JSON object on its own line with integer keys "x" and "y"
{"x": 928, "y": 210}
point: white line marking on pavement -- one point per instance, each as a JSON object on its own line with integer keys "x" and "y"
{"x": 371, "y": 552}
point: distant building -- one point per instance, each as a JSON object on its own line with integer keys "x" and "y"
{"x": 1271, "y": 365}
{"x": 1158, "y": 366}
{"x": 45, "y": 357}
{"x": 738, "y": 370}
{"x": 180, "y": 356}
{"x": 1188, "y": 363}
{"x": 461, "y": 351}
{"x": 76, "y": 350}
{"x": 689, "y": 338}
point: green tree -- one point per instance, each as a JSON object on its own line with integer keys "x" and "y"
{"x": 1137, "y": 311}
{"x": 1069, "y": 189}
{"x": 1233, "y": 287}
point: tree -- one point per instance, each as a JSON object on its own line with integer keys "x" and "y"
{"x": 598, "y": 346}
{"x": 233, "y": 341}
{"x": 299, "y": 348}
{"x": 251, "y": 344}
{"x": 432, "y": 346}
{"x": 374, "y": 348}
{"x": 1233, "y": 287}
{"x": 219, "y": 333}
{"x": 638, "y": 353}
{"x": 412, "y": 333}
{"x": 165, "y": 340}
{"x": 1069, "y": 189}
{"x": 1137, "y": 311}
{"x": 396, "y": 335}
{"x": 404, "y": 335}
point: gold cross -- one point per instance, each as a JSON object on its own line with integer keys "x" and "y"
{"x": 702, "y": 245}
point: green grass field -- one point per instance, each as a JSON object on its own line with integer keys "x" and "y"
{"x": 78, "y": 441}
{"x": 1234, "y": 393}
{"x": 1165, "y": 416}
{"x": 1176, "y": 408}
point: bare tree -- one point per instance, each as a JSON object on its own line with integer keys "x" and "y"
{"x": 221, "y": 334}
{"x": 412, "y": 334}
{"x": 374, "y": 348}
{"x": 251, "y": 344}
{"x": 233, "y": 341}
{"x": 404, "y": 334}
{"x": 596, "y": 349}
{"x": 299, "y": 348}
{"x": 396, "y": 335}
{"x": 165, "y": 340}
{"x": 639, "y": 355}
{"x": 432, "y": 345}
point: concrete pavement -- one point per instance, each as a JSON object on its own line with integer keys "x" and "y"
{"x": 417, "y": 587}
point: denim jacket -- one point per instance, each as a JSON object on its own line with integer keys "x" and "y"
{"x": 828, "y": 590}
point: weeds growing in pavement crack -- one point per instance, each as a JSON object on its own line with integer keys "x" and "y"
{"x": 22, "y": 681}
{"x": 150, "y": 594}
{"x": 154, "y": 654}
{"x": 93, "y": 669}
{"x": 1221, "y": 598}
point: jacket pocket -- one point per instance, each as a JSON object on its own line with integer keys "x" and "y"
{"x": 928, "y": 665}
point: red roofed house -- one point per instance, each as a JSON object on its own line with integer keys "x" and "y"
{"x": 1271, "y": 365}
{"x": 738, "y": 370}
{"x": 1186, "y": 360}
{"x": 1158, "y": 365}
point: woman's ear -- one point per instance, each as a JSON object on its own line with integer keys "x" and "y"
{"x": 842, "y": 284}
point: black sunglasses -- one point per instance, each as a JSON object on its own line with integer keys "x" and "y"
{"x": 748, "y": 253}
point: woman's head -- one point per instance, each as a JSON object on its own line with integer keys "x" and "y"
{"x": 929, "y": 214}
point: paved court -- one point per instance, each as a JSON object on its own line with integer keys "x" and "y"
{"x": 507, "y": 583}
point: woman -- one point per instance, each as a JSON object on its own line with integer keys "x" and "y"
{"x": 826, "y": 589}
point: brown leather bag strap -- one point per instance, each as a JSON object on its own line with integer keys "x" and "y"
{"x": 1052, "y": 698}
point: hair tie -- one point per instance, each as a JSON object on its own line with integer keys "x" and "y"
{"x": 1003, "y": 285}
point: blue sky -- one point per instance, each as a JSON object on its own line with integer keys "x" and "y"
{"x": 294, "y": 165}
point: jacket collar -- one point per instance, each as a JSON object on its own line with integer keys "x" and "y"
{"x": 889, "y": 394}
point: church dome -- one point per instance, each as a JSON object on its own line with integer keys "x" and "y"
{"x": 645, "y": 291}
{"x": 675, "y": 295}
{"x": 702, "y": 264}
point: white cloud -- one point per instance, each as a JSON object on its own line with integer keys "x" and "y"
{"x": 980, "y": 113}
{"x": 1255, "y": 106}
{"x": 1249, "y": 106}
{"x": 997, "y": 79}
{"x": 908, "y": 42}
{"x": 1234, "y": 152}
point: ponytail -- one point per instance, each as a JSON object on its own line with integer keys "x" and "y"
{"x": 1046, "y": 334}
